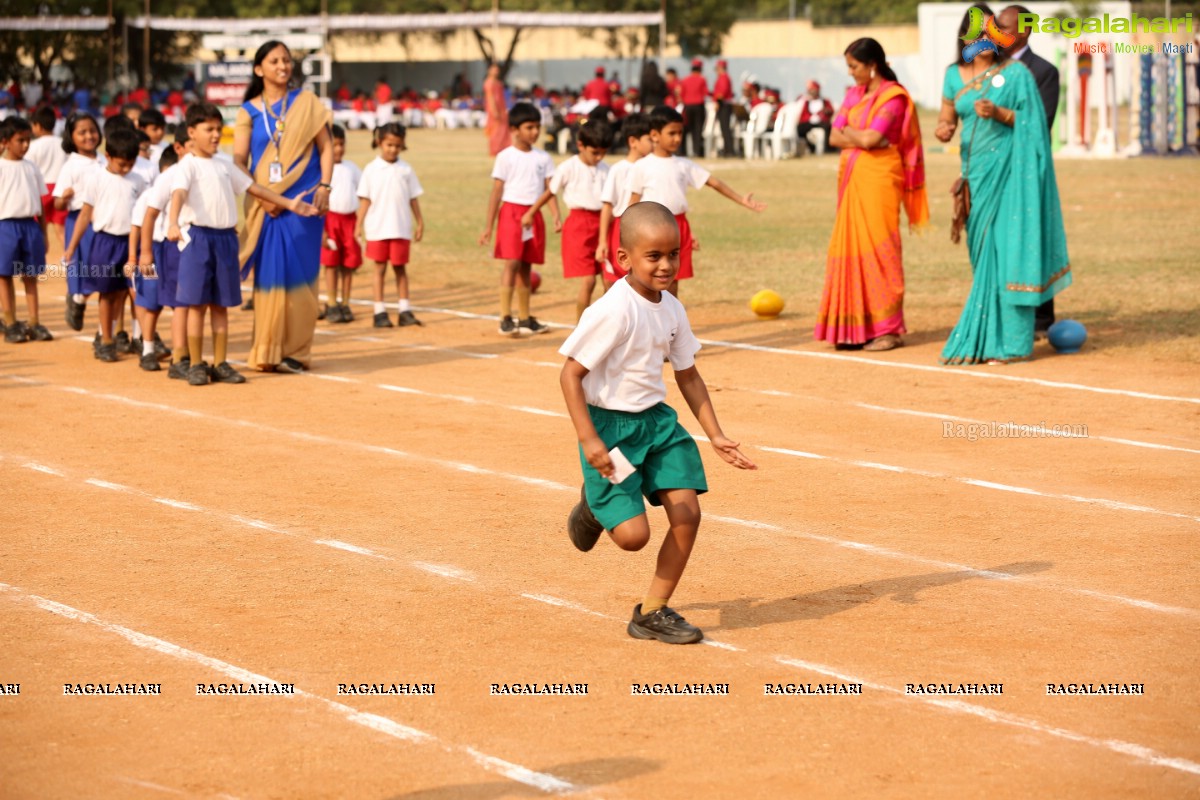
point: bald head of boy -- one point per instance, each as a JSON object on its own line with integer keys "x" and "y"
{"x": 649, "y": 247}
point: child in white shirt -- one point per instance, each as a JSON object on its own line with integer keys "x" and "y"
{"x": 22, "y": 243}
{"x": 341, "y": 254}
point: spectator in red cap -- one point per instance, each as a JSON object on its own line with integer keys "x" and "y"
{"x": 815, "y": 112}
{"x": 597, "y": 89}
{"x": 693, "y": 90}
{"x": 672, "y": 87}
{"x": 723, "y": 93}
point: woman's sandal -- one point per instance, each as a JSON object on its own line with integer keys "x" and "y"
{"x": 889, "y": 341}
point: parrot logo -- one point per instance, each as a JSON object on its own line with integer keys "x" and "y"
{"x": 983, "y": 34}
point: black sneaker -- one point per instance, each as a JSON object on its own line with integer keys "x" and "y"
{"x": 225, "y": 373}
{"x": 532, "y": 325}
{"x": 407, "y": 318}
{"x": 198, "y": 374}
{"x": 290, "y": 365}
{"x": 96, "y": 345}
{"x": 324, "y": 313}
{"x": 582, "y": 526}
{"x": 382, "y": 321}
{"x": 135, "y": 346}
{"x": 149, "y": 362}
{"x": 107, "y": 352}
{"x": 508, "y": 327}
{"x": 74, "y": 314}
{"x": 346, "y": 314}
{"x": 16, "y": 333}
{"x": 40, "y": 333}
{"x": 161, "y": 351}
{"x": 249, "y": 304}
{"x": 179, "y": 370}
{"x": 123, "y": 342}
{"x": 665, "y": 625}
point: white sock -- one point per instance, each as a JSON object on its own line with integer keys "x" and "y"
{"x": 137, "y": 329}
{"x": 380, "y": 308}
{"x": 78, "y": 298}
{"x": 403, "y": 305}
{"x": 148, "y": 347}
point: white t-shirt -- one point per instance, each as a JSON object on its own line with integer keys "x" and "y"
{"x": 139, "y": 210}
{"x": 666, "y": 180}
{"x": 73, "y": 173}
{"x": 616, "y": 187}
{"x": 111, "y": 197}
{"x": 580, "y": 184}
{"x": 47, "y": 155}
{"x": 622, "y": 340}
{"x": 343, "y": 194}
{"x": 158, "y": 197}
{"x": 146, "y": 168}
{"x": 524, "y": 173}
{"x": 156, "y": 150}
{"x": 390, "y": 188}
{"x": 21, "y": 189}
{"x": 212, "y": 186}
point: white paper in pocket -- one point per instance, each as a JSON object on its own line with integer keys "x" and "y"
{"x": 527, "y": 234}
{"x": 184, "y": 237}
{"x": 622, "y": 469}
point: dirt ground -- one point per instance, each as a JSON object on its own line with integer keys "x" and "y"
{"x": 397, "y": 516}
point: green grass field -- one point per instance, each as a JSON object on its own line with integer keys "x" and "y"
{"x": 1132, "y": 232}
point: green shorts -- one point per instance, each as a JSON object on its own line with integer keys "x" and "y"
{"x": 664, "y": 454}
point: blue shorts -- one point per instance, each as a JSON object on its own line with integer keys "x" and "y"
{"x": 208, "y": 269}
{"x": 104, "y": 269}
{"x": 664, "y": 454}
{"x": 166, "y": 264}
{"x": 146, "y": 291}
{"x": 82, "y": 253}
{"x": 22, "y": 248}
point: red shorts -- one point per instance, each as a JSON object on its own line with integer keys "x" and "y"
{"x": 511, "y": 244}
{"x": 580, "y": 238}
{"x": 341, "y": 248}
{"x": 686, "y": 245}
{"x": 49, "y": 212}
{"x": 613, "y": 271}
{"x": 393, "y": 251}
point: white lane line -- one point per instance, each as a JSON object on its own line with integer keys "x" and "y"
{"x": 551, "y": 600}
{"x": 445, "y": 570}
{"x": 1135, "y": 751}
{"x": 458, "y": 398}
{"x": 148, "y": 785}
{"x": 538, "y": 780}
{"x": 166, "y": 501}
{"x": 349, "y": 548}
{"x": 36, "y": 467}
{"x": 545, "y": 484}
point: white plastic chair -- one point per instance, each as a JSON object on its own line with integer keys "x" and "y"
{"x": 712, "y": 130}
{"x": 816, "y": 139}
{"x": 783, "y": 135}
{"x": 757, "y": 129}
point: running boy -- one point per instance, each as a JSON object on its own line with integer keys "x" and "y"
{"x": 22, "y": 244}
{"x": 389, "y": 217}
{"x": 519, "y": 177}
{"x": 108, "y": 198}
{"x": 614, "y": 389}
{"x": 581, "y": 180}
{"x": 665, "y": 178}
{"x": 615, "y": 196}
{"x": 341, "y": 255}
{"x": 209, "y": 278}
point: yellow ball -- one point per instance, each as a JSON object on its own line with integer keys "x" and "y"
{"x": 766, "y": 304}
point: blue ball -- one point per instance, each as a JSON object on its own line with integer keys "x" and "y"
{"x": 1067, "y": 336}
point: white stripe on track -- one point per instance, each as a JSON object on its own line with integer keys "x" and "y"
{"x": 397, "y": 730}
{"x": 445, "y": 570}
{"x": 1135, "y": 751}
{"x": 349, "y": 548}
{"x": 545, "y": 484}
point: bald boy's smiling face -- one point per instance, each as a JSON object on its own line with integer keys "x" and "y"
{"x": 652, "y": 259}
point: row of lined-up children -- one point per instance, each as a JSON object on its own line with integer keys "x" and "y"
{"x": 171, "y": 242}
{"x": 525, "y": 179}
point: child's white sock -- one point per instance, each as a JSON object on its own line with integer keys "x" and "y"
{"x": 402, "y": 305}
{"x": 380, "y": 308}
{"x": 148, "y": 347}
{"x": 78, "y": 298}
{"x": 137, "y": 329}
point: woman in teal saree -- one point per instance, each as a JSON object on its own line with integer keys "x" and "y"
{"x": 1015, "y": 235}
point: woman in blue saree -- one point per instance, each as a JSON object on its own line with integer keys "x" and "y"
{"x": 282, "y": 137}
{"x": 1015, "y": 236}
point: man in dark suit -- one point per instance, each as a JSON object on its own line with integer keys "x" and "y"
{"x": 1046, "y": 76}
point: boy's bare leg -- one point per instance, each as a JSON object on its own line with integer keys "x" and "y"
{"x": 380, "y": 279}
{"x": 110, "y": 302}
{"x": 508, "y": 280}
{"x": 586, "y": 287}
{"x": 8, "y": 300}
{"x": 195, "y": 333}
{"x": 401, "y": 271}
{"x": 331, "y": 298}
{"x": 179, "y": 334}
{"x": 683, "y": 515}
{"x": 346, "y": 275}
{"x": 30, "y": 283}
{"x": 632, "y": 534}
{"x": 522, "y": 288}
{"x": 149, "y": 328}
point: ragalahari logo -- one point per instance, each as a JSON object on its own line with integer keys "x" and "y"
{"x": 983, "y": 34}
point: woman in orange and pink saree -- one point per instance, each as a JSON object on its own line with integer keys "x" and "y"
{"x": 882, "y": 167}
{"x": 496, "y": 127}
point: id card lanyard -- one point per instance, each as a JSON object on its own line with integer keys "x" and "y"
{"x": 275, "y": 169}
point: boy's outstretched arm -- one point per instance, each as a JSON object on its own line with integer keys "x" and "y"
{"x": 692, "y": 387}
{"x": 748, "y": 201}
{"x": 594, "y": 449}
{"x": 493, "y": 209}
